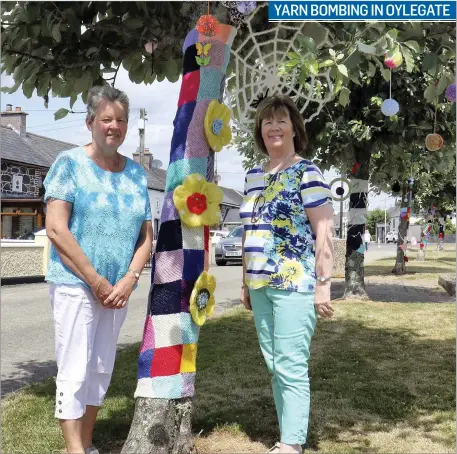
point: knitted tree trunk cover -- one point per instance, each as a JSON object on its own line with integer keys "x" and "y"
{"x": 166, "y": 365}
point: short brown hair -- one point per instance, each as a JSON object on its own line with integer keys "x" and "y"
{"x": 282, "y": 105}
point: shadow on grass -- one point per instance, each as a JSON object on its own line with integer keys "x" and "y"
{"x": 402, "y": 292}
{"x": 373, "y": 377}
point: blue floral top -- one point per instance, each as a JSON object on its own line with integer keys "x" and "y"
{"x": 279, "y": 244}
{"x": 108, "y": 209}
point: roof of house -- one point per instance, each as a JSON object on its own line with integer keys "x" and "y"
{"x": 157, "y": 179}
{"x": 31, "y": 149}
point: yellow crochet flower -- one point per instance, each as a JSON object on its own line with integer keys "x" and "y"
{"x": 197, "y": 201}
{"x": 202, "y": 300}
{"x": 217, "y": 127}
{"x": 293, "y": 271}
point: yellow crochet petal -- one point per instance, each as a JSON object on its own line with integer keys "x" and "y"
{"x": 194, "y": 183}
{"x": 224, "y": 114}
{"x": 210, "y": 306}
{"x": 213, "y": 192}
{"x": 199, "y": 317}
{"x": 211, "y": 283}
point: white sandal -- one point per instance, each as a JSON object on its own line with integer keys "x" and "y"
{"x": 274, "y": 448}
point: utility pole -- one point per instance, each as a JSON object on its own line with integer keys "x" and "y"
{"x": 142, "y": 131}
{"x": 385, "y": 218}
{"x": 341, "y": 219}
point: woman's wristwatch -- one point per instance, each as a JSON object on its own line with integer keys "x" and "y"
{"x": 323, "y": 279}
{"x": 135, "y": 273}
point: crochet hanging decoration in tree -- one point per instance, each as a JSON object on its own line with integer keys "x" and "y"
{"x": 434, "y": 142}
{"x": 342, "y": 191}
{"x": 202, "y": 57}
{"x": 396, "y": 187}
{"x": 239, "y": 11}
{"x": 450, "y": 92}
{"x": 390, "y": 107}
{"x": 208, "y": 25}
{"x": 393, "y": 59}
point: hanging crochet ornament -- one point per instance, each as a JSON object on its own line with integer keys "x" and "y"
{"x": 239, "y": 11}
{"x": 450, "y": 92}
{"x": 392, "y": 60}
{"x": 390, "y": 107}
{"x": 434, "y": 142}
{"x": 207, "y": 25}
{"x": 396, "y": 186}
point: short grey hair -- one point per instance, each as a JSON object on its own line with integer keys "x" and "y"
{"x": 108, "y": 93}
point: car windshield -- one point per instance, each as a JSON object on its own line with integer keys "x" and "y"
{"x": 238, "y": 232}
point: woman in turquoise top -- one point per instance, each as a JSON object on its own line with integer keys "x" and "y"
{"x": 287, "y": 260}
{"x": 99, "y": 222}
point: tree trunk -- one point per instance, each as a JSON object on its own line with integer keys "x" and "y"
{"x": 355, "y": 246}
{"x": 160, "y": 426}
{"x": 405, "y": 213}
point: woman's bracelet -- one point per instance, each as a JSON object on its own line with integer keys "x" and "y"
{"x": 98, "y": 284}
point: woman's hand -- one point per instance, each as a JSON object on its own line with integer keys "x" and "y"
{"x": 102, "y": 289}
{"x": 121, "y": 292}
{"x": 322, "y": 300}
{"x": 245, "y": 299}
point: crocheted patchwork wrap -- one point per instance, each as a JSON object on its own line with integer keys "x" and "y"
{"x": 167, "y": 359}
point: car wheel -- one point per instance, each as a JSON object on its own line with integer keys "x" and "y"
{"x": 221, "y": 262}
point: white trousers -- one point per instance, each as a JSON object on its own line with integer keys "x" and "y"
{"x": 86, "y": 334}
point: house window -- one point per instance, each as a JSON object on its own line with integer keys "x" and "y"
{"x": 17, "y": 183}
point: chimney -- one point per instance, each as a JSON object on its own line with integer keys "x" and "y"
{"x": 147, "y": 158}
{"x": 16, "y": 120}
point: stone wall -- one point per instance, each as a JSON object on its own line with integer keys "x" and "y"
{"x": 32, "y": 179}
{"x": 21, "y": 259}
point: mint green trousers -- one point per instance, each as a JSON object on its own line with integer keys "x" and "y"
{"x": 285, "y": 323}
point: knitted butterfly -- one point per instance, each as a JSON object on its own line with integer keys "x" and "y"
{"x": 202, "y": 52}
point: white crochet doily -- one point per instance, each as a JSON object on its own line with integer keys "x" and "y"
{"x": 256, "y": 62}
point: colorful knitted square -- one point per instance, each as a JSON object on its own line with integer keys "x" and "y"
{"x": 144, "y": 363}
{"x": 193, "y": 264}
{"x": 188, "y": 385}
{"x": 170, "y": 236}
{"x": 148, "y": 335}
{"x": 197, "y": 144}
{"x": 167, "y": 387}
{"x": 179, "y": 170}
{"x": 181, "y": 125}
{"x": 189, "y": 358}
{"x": 190, "y": 63}
{"x": 167, "y": 330}
{"x": 167, "y": 298}
{"x": 191, "y": 40}
{"x": 169, "y": 211}
{"x": 192, "y": 237}
{"x": 189, "y": 329}
{"x": 166, "y": 361}
{"x": 210, "y": 83}
{"x": 217, "y": 55}
{"x": 187, "y": 287}
{"x": 189, "y": 88}
{"x": 169, "y": 266}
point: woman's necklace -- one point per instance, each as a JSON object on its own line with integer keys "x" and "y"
{"x": 283, "y": 165}
{"x": 117, "y": 163}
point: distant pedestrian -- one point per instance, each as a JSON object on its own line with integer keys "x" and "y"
{"x": 99, "y": 222}
{"x": 367, "y": 238}
{"x": 439, "y": 246}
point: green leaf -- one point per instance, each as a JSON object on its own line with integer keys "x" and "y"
{"x": 353, "y": 60}
{"x": 291, "y": 63}
{"x": 61, "y": 113}
{"x": 393, "y": 33}
{"x": 313, "y": 66}
{"x": 371, "y": 69}
{"x": 332, "y": 52}
{"x": 91, "y": 51}
{"x": 413, "y": 45}
{"x": 56, "y": 32}
{"x": 344, "y": 97}
{"x": 342, "y": 69}
{"x": 326, "y": 63}
{"x": 293, "y": 55}
{"x": 73, "y": 99}
{"x": 307, "y": 42}
{"x": 430, "y": 93}
{"x": 409, "y": 59}
{"x": 430, "y": 62}
{"x": 442, "y": 84}
{"x": 134, "y": 23}
{"x": 206, "y": 61}
{"x": 29, "y": 86}
{"x": 385, "y": 73}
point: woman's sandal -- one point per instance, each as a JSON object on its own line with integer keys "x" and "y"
{"x": 275, "y": 448}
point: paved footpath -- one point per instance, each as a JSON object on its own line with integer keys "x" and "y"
{"x": 27, "y": 334}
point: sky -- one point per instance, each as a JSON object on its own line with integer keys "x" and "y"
{"x": 160, "y": 101}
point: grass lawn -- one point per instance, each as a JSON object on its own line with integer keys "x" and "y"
{"x": 436, "y": 263}
{"x": 382, "y": 380}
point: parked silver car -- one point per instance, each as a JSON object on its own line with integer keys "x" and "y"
{"x": 229, "y": 248}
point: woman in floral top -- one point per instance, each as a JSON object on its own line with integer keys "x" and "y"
{"x": 287, "y": 259}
